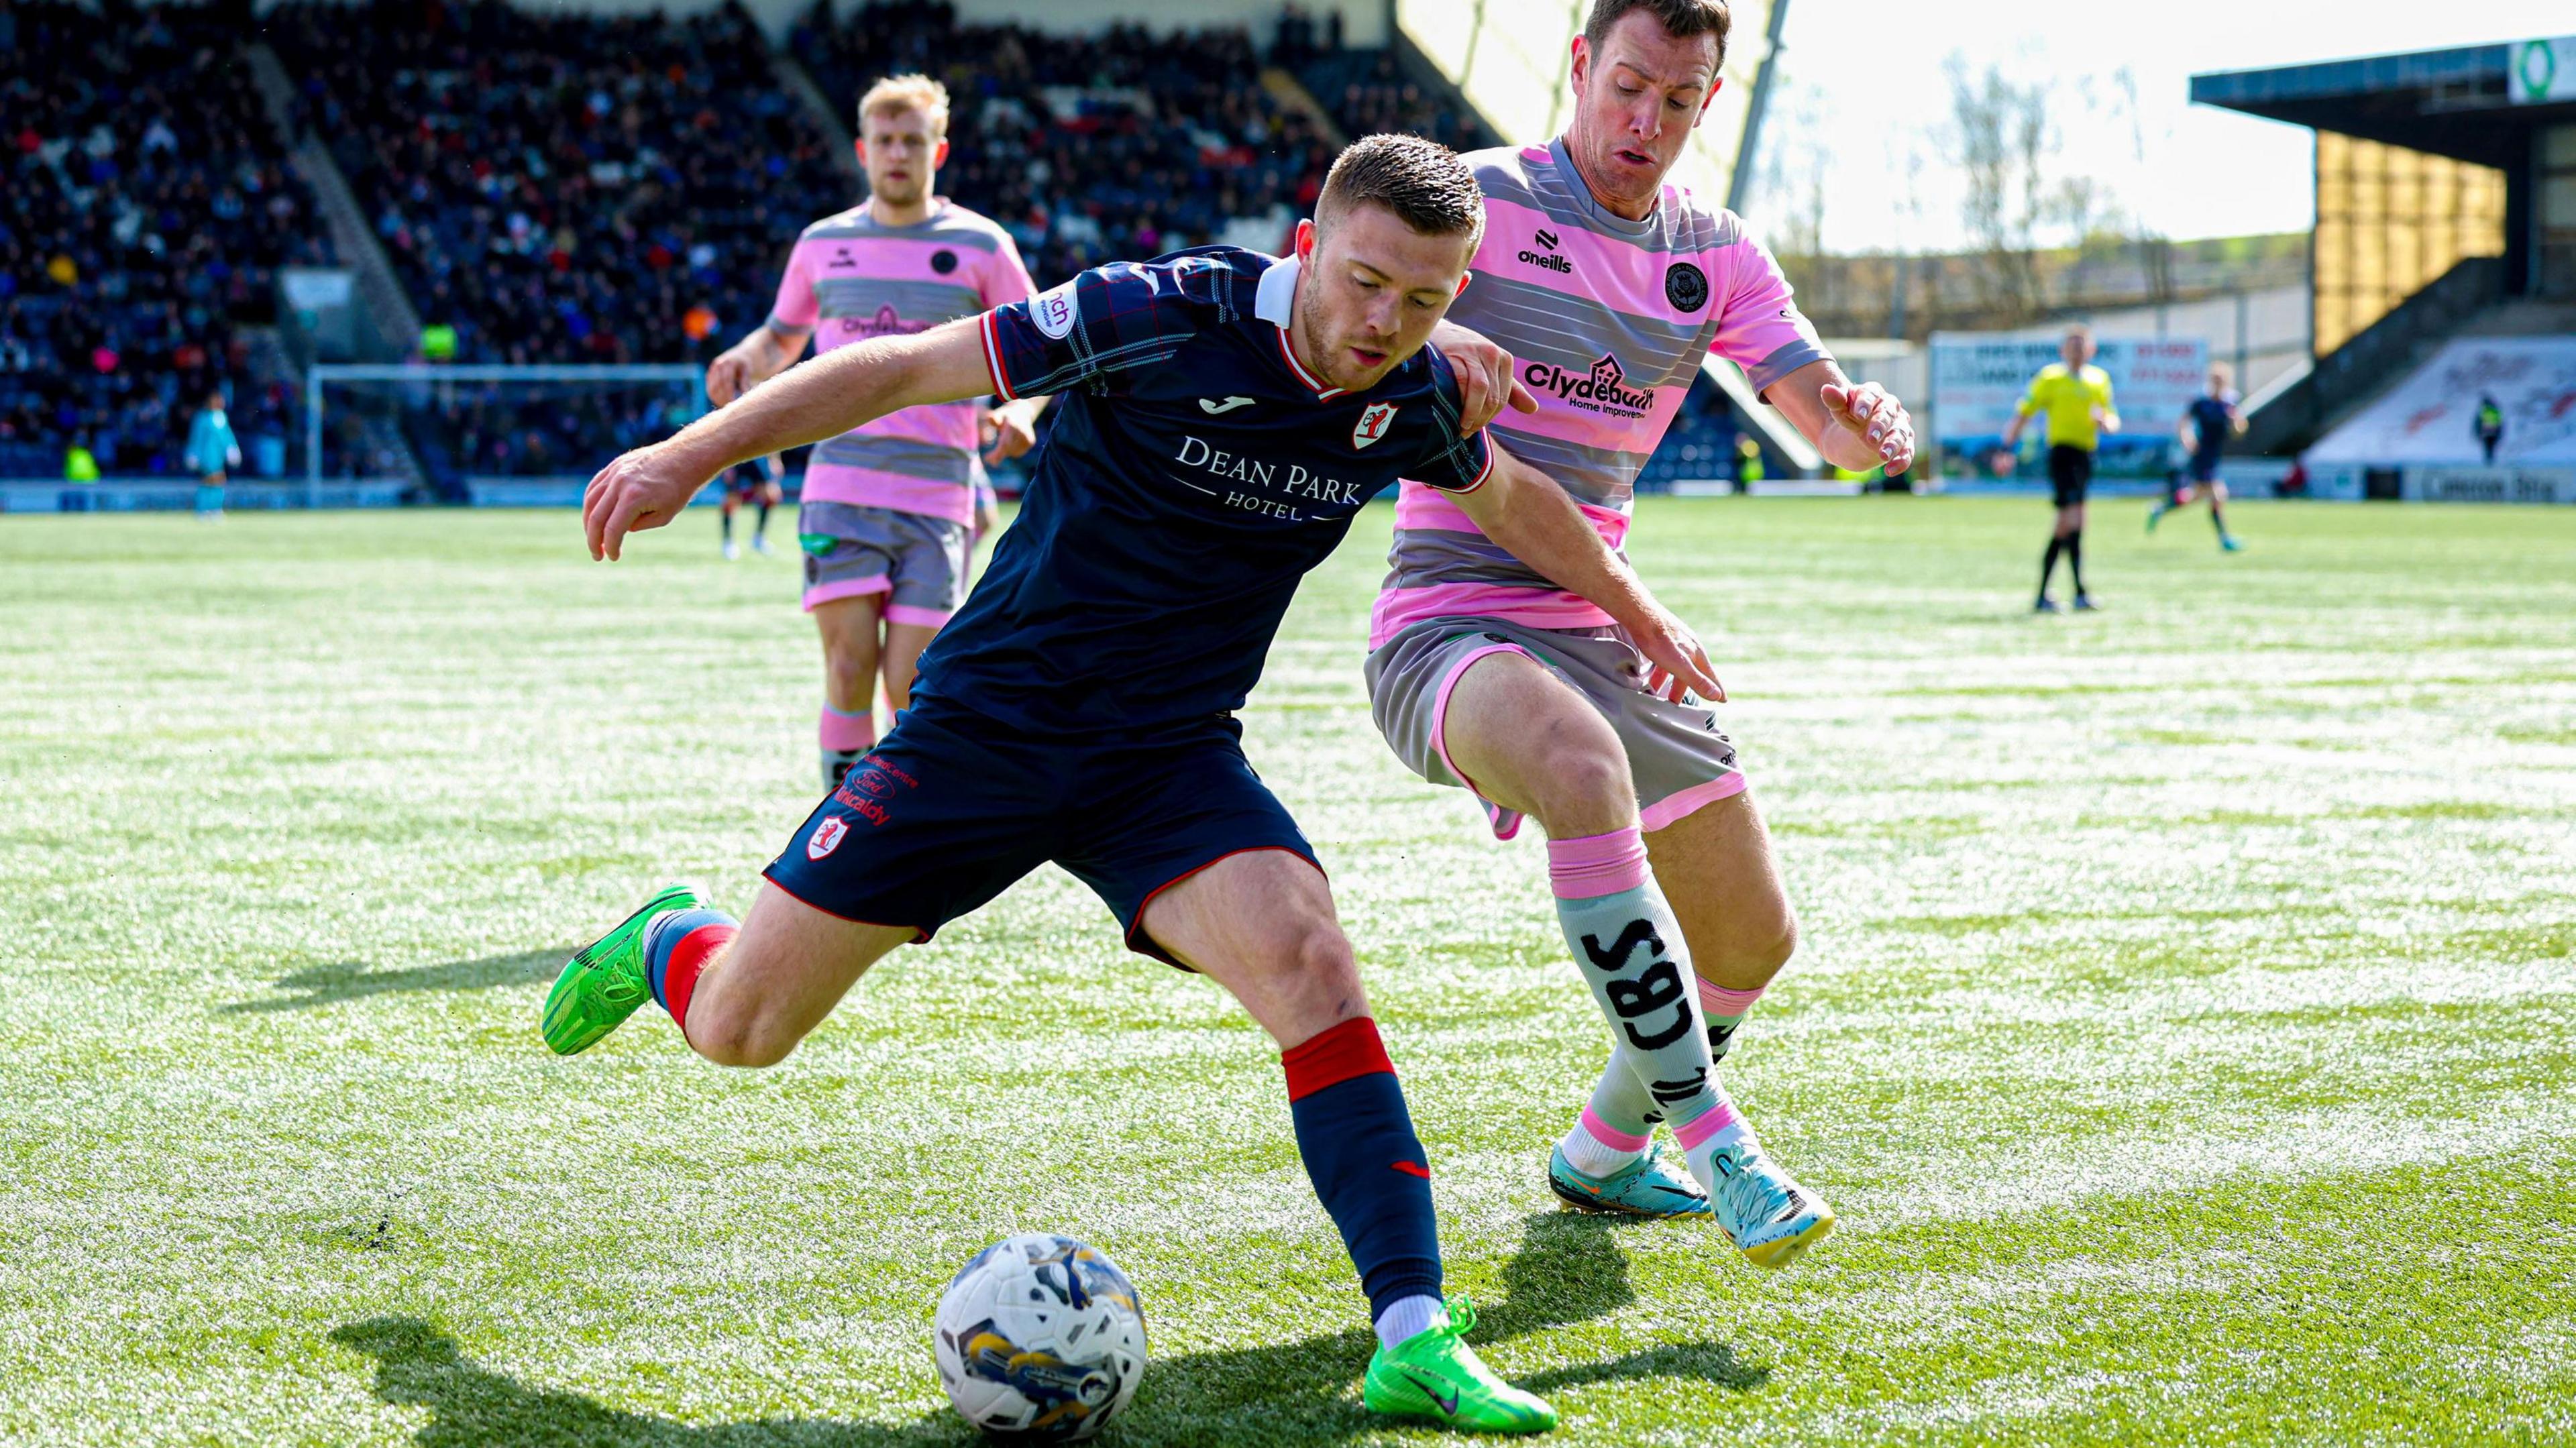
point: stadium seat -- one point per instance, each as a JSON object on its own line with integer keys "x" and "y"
{"x": 149, "y": 207}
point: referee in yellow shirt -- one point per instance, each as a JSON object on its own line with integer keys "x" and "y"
{"x": 2076, "y": 395}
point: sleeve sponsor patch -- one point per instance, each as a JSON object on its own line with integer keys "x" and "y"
{"x": 1053, "y": 311}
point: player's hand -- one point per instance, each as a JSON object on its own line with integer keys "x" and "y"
{"x": 642, "y": 489}
{"x": 1013, "y": 432}
{"x": 1485, "y": 381}
{"x": 1676, "y": 666}
{"x": 728, "y": 377}
{"x": 1869, "y": 428}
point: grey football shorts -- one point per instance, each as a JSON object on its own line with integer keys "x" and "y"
{"x": 1677, "y": 755}
{"x": 917, "y": 561}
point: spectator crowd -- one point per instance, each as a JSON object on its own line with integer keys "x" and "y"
{"x": 565, "y": 187}
{"x": 149, "y": 207}
{"x": 1116, "y": 144}
{"x": 555, "y": 186}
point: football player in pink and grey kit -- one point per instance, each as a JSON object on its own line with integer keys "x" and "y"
{"x": 887, "y": 506}
{"x": 1608, "y": 286}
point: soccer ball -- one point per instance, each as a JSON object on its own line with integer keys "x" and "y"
{"x": 1040, "y": 1338}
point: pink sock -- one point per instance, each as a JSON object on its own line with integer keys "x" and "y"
{"x": 1721, "y": 1003}
{"x": 1587, "y": 867}
{"x": 843, "y": 732}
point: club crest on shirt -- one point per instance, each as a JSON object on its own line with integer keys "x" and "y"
{"x": 1373, "y": 424}
{"x": 826, "y": 837}
{"x": 1053, "y": 311}
{"x": 1686, "y": 286}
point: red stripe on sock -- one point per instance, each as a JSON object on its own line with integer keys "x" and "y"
{"x": 1331, "y": 1057}
{"x": 689, "y": 955}
{"x": 1412, "y": 1168}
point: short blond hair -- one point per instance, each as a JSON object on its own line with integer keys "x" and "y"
{"x": 904, "y": 93}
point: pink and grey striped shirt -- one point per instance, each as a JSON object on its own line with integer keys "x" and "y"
{"x": 1607, "y": 320}
{"x": 850, "y": 279}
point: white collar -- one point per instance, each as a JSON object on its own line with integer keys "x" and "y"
{"x": 1274, "y": 301}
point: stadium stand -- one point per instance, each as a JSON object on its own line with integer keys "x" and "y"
{"x": 1368, "y": 91}
{"x": 1088, "y": 148}
{"x": 561, "y": 187}
{"x": 149, "y": 208}
{"x": 2444, "y": 269}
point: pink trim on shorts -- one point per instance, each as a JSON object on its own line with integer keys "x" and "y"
{"x": 1723, "y": 1002}
{"x": 914, "y": 614}
{"x": 1440, "y": 708}
{"x": 1588, "y": 867}
{"x": 846, "y": 588}
{"x": 1608, "y": 1135}
{"x": 1669, "y": 810}
{"x": 1705, "y": 1125}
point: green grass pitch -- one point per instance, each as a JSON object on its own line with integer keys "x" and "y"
{"x": 2185, "y": 1026}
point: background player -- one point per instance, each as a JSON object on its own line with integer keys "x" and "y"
{"x": 2076, "y": 395}
{"x": 757, "y": 483}
{"x": 2206, "y": 425}
{"x": 1081, "y": 708}
{"x": 211, "y": 452}
{"x": 1609, "y": 287}
{"x": 885, "y": 511}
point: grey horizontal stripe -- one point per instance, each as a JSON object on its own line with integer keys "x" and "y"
{"x": 901, "y": 455}
{"x": 968, "y": 230}
{"x": 1424, "y": 557}
{"x": 1551, "y": 187}
{"x": 930, "y": 302}
{"x": 1571, "y": 330}
{"x": 1603, "y": 477}
{"x": 1789, "y": 358}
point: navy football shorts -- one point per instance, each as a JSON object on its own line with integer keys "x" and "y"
{"x": 952, "y": 807}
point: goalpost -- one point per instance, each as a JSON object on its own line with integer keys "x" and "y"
{"x": 575, "y": 417}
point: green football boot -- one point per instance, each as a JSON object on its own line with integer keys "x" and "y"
{"x": 1436, "y": 1377}
{"x": 604, "y": 981}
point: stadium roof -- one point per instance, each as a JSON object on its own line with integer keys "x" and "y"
{"x": 2472, "y": 104}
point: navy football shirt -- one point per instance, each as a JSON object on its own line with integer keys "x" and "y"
{"x": 1194, "y": 473}
{"x": 2211, "y": 423}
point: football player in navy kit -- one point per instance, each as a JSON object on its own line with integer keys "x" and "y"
{"x": 1222, "y": 417}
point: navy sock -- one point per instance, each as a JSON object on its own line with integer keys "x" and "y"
{"x": 2218, "y": 516}
{"x": 1367, "y": 1165}
{"x": 664, "y": 935}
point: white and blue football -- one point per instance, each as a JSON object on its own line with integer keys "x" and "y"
{"x": 1040, "y": 1339}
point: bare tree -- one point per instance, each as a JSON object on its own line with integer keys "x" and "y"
{"x": 2000, "y": 133}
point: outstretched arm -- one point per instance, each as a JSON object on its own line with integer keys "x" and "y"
{"x": 648, "y": 487}
{"x": 1525, "y": 511}
{"x": 1855, "y": 427}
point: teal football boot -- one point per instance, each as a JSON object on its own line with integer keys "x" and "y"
{"x": 1645, "y": 1187}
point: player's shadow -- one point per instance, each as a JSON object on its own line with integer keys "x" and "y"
{"x": 323, "y": 985}
{"x": 471, "y": 1406}
{"x": 1569, "y": 1269}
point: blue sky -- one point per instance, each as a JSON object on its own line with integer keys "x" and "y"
{"x": 1864, "y": 91}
